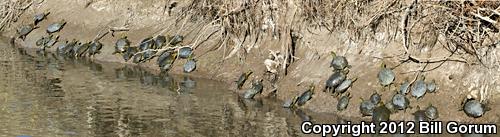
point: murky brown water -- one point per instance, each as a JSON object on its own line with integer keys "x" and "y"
{"x": 44, "y": 95}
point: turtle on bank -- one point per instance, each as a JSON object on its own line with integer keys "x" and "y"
{"x": 381, "y": 113}
{"x": 343, "y": 102}
{"x": 43, "y": 41}
{"x": 241, "y": 80}
{"x": 95, "y": 48}
{"x": 160, "y": 41}
{"x": 474, "y": 108}
{"x": 185, "y": 52}
{"x": 338, "y": 62}
{"x": 386, "y": 76}
{"x": 176, "y": 39}
{"x": 342, "y": 87}
{"x": 51, "y": 42}
{"x": 61, "y": 49}
{"x": 55, "y": 27}
{"x": 419, "y": 88}
{"x": 290, "y": 103}
{"x": 190, "y": 65}
{"x": 375, "y": 98}
{"x": 68, "y": 49}
{"x": 24, "y": 30}
{"x": 400, "y": 101}
{"x": 121, "y": 45}
{"x": 335, "y": 79}
{"x": 137, "y": 57}
{"x": 81, "y": 49}
{"x": 40, "y": 17}
{"x": 431, "y": 112}
{"x": 404, "y": 88}
{"x": 420, "y": 115}
{"x": 305, "y": 96}
{"x": 146, "y": 44}
{"x": 166, "y": 59}
{"x": 148, "y": 55}
{"x": 366, "y": 107}
{"x": 256, "y": 89}
{"x": 129, "y": 53}
{"x": 431, "y": 86}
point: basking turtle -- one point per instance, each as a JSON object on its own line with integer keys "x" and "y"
{"x": 61, "y": 49}
{"x": 241, "y": 80}
{"x": 176, "y": 39}
{"x": 51, "y": 42}
{"x": 366, "y": 107}
{"x": 400, "y": 101}
{"x": 290, "y": 102}
{"x": 148, "y": 55}
{"x": 335, "y": 79}
{"x": 81, "y": 49}
{"x": 305, "y": 96}
{"x": 166, "y": 59}
{"x": 39, "y": 17}
{"x": 146, "y": 44}
{"x": 342, "y": 87}
{"x": 160, "y": 41}
{"x": 43, "y": 41}
{"x": 343, "y": 102}
{"x": 68, "y": 50}
{"x": 390, "y": 106}
{"x": 95, "y": 48}
{"x": 256, "y": 89}
{"x": 185, "y": 52}
{"x": 122, "y": 45}
{"x": 404, "y": 88}
{"x": 431, "y": 112}
{"x": 375, "y": 98}
{"x": 474, "y": 108}
{"x": 137, "y": 58}
{"x": 55, "y": 27}
{"x": 418, "y": 89}
{"x": 420, "y": 115}
{"x": 190, "y": 65}
{"x": 129, "y": 52}
{"x": 386, "y": 76}
{"x": 338, "y": 62}
{"x": 24, "y": 30}
{"x": 381, "y": 114}
{"x": 431, "y": 86}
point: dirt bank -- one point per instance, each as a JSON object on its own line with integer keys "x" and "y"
{"x": 311, "y": 47}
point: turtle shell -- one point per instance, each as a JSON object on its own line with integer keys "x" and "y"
{"x": 160, "y": 41}
{"x": 95, "y": 48}
{"x": 386, "y": 76}
{"x": 339, "y": 63}
{"x": 55, "y": 27}
{"x": 122, "y": 45}
{"x": 189, "y": 66}
{"x": 366, "y": 108}
{"x": 185, "y": 52}
{"x": 343, "y": 103}
{"x": 474, "y": 108}
{"x": 418, "y": 89}
{"x": 146, "y": 44}
{"x": 400, "y": 101}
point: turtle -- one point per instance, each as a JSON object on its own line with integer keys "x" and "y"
{"x": 55, "y": 27}
{"x": 390, "y": 106}
{"x": 256, "y": 89}
{"x": 386, "y": 76}
{"x": 335, "y": 79}
{"x": 68, "y": 50}
{"x": 24, "y": 30}
{"x": 61, "y": 49}
{"x": 419, "y": 115}
{"x": 121, "y": 45}
{"x": 431, "y": 86}
{"x": 338, "y": 62}
{"x": 418, "y": 89}
{"x": 400, "y": 101}
{"x": 305, "y": 96}
{"x": 166, "y": 59}
{"x": 81, "y": 49}
{"x": 381, "y": 114}
{"x": 129, "y": 53}
{"x": 51, "y": 42}
{"x": 43, "y": 41}
{"x": 137, "y": 57}
{"x": 241, "y": 80}
{"x": 176, "y": 39}
{"x": 431, "y": 112}
{"x": 160, "y": 41}
{"x": 366, "y": 107}
{"x": 95, "y": 48}
{"x": 146, "y": 44}
{"x": 290, "y": 103}
{"x": 474, "y": 108}
{"x": 404, "y": 88}
{"x": 375, "y": 98}
{"x": 148, "y": 55}
{"x": 39, "y": 17}
{"x": 343, "y": 102}
{"x": 185, "y": 52}
{"x": 342, "y": 87}
{"x": 189, "y": 66}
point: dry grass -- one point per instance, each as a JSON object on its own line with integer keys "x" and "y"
{"x": 10, "y": 10}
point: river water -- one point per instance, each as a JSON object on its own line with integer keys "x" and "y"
{"x": 46, "y": 95}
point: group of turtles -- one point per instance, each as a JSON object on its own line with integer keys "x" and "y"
{"x": 166, "y": 48}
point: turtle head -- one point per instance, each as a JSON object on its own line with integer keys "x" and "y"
{"x": 332, "y": 53}
{"x": 311, "y": 87}
{"x": 248, "y": 73}
{"x": 123, "y": 36}
{"x": 382, "y": 65}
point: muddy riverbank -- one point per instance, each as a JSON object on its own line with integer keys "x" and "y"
{"x": 311, "y": 48}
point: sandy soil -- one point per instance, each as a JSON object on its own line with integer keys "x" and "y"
{"x": 147, "y": 18}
